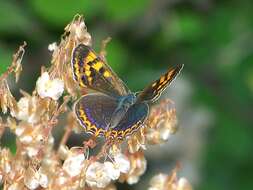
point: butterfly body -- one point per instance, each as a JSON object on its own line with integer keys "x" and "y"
{"x": 113, "y": 112}
{"x": 124, "y": 103}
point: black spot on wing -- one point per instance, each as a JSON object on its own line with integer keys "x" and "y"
{"x": 81, "y": 52}
{"x": 93, "y": 61}
{"x": 102, "y": 70}
{"x": 84, "y": 79}
{"x": 93, "y": 72}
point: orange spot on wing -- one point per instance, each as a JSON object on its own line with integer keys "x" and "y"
{"x": 97, "y": 65}
{"x": 107, "y": 74}
{"x": 162, "y": 79}
{"x": 87, "y": 73}
{"x": 89, "y": 79}
{"x": 90, "y": 57}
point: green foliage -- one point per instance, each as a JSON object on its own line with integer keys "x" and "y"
{"x": 18, "y": 21}
{"x": 59, "y": 12}
{"x": 5, "y": 59}
{"x": 121, "y": 11}
{"x": 182, "y": 27}
{"x": 116, "y": 55}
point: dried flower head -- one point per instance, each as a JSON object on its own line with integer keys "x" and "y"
{"x": 52, "y": 88}
{"x": 26, "y": 111}
{"x": 97, "y": 175}
{"x": 169, "y": 182}
{"x": 31, "y": 178}
{"x": 6, "y": 98}
{"x": 122, "y": 163}
{"x": 138, "y": 165}
{"x": 137, "y": 141}
{"x": 75, "y": 162}
{"x": 162, "y": 123}
{"x": 78, "y": 31}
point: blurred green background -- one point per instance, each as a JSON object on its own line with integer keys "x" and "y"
{"x": 214, "y": 39}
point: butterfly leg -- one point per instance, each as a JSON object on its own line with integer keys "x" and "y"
{"x": 104, "y": 151}
{"x": 91, "y": 143}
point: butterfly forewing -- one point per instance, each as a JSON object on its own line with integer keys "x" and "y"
{"x": 153, "y": 91}
{"x": 89, "y": 70}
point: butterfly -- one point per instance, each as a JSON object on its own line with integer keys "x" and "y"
{"x": 113, "y": 111}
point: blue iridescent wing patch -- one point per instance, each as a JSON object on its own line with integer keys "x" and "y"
{"x": 94, "y": 112}
{"x": 131, "y": 122}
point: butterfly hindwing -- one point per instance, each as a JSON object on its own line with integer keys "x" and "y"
{"x": 132, "y": 121}
{"x": 153, "y": 91}
{"x": 89, "y": 70}
{"x": 94, "y": 112}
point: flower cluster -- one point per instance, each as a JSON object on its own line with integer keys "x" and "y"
{"x": 169, "y": 182}
{"x": 101, "y": 174}
{"x": 39, "y": 162}
{"x": 161, "y": 124}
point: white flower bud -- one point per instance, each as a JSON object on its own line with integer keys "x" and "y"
{"x": 73, "y": 164}
{"x": 49, "y": 88}
{"x": 122, "y": 162}
{"x": 113, "y": 170}
{"x": 97, "y": 175}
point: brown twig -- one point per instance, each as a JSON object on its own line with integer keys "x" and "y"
{"x": 17, "y": 56}
{"x": 66, "y": 135}
{"x": 53, "y": 121}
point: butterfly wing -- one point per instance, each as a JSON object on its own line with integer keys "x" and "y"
{"x": 153, "y": 91}
{"x": 131, "y": 122}
{"x": 94, "y": 112}
{"x": 89, "y": 70}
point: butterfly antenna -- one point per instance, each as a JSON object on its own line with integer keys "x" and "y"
{"x": 106, "y": 156}
{"x": 111, "y": 158}
{"x": 136, "y": 93}
{"x": 107, "y": 124}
